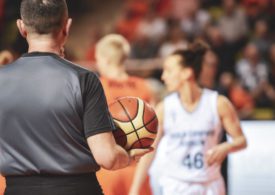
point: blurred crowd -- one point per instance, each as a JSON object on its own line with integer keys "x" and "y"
{"x": 241, "y": 33}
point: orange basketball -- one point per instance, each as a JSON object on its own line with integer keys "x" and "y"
{"x": 136, "y": 122}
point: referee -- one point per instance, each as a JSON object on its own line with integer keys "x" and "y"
{"x": 55, "y": 127}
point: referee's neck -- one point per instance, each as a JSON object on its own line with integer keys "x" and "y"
{"x": 45, "y": 43}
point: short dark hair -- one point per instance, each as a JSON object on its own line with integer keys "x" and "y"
{"x": 44, "y": 16}
{"x": 193, "y": 56}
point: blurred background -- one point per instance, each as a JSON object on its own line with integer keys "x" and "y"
{"x": 241, "y": 64}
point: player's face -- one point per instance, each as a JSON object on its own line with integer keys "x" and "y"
{"x": 172, "y": 73}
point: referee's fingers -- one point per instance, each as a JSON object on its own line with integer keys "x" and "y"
{"x": 137, "y": 153}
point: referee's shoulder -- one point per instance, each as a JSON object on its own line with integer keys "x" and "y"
{"x": 76, "y": 67}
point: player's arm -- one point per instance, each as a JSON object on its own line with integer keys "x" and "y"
{"x": 109, "y": 155}
{"x": 145, "y": 162}
{"x": 231, "y": 124}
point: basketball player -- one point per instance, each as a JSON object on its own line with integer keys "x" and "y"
{"x": 111, "y": 53}
{"x": 189, "y": 152}
{"x": 55, "y": 127}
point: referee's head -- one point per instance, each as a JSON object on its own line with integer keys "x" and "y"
{"x": 43, "y": 17}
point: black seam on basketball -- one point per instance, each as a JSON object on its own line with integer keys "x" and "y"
{"x": 118, "y": 100}
{"x": 148, "y": 124}
{"x": 144, "y": 126}
{"x": 140, "y": 128}
{"x": 139, "y": 141}
{"x": 149, "y": 120}
{"x": 128, "y": 115}
{"x": 142, "y": 122}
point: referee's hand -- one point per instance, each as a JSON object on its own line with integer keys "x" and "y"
{"x": 136, "y": 154}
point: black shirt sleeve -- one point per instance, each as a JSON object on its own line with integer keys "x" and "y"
{"x": 96, "y": 118}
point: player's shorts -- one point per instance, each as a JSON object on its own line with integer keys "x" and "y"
{"x": 176, "y": 187}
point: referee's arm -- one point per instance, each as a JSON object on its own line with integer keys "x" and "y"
{"x": 107, "y": 153}
{"x": 111, "y": 156}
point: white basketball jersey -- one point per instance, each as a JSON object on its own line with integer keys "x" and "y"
{"x": 187, "y": 138}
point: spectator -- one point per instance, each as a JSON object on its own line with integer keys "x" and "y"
{"x": 152, "y": 27}
{"x": 178, "y": 9}
{"x": 228, "y": 86}
{"x": 143, "y": 47}
{"x": 271, "y": 76}
{"x": 133, "y": 13}
{"x": 163, "y": 7}
{"x": 253, "y": 74}
{"x": 225, "y": 54}
{"x": 261, "y": 37}
{"x": 255, "y": 9}
{"x": 240, "y": 97}
{"x": 150, "y": 33}
{"x": 272, "y": 64}
{"x": 209, "y": 71}
{"x": 271, "y": 17}
{"x": 233, "y": 22}
{"x": 196, "y": 19}
{"x": 175, "y": 40}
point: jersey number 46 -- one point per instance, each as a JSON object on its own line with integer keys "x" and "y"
{"x": 193, "y": 161}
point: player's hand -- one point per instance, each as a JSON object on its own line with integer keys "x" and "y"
{"x": 136, "y": 154}
{"x": 217, "y": 154}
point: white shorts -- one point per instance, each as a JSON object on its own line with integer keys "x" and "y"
{"x": 173, "y": 186}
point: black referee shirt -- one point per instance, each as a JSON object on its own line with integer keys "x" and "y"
{"x": 48, "y": 107}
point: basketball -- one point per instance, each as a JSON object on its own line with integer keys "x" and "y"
{"x": 136, "y": 123}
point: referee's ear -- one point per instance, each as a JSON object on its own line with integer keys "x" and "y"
{"x": 21, "y": 27}
{"x": 67, "y": 27}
